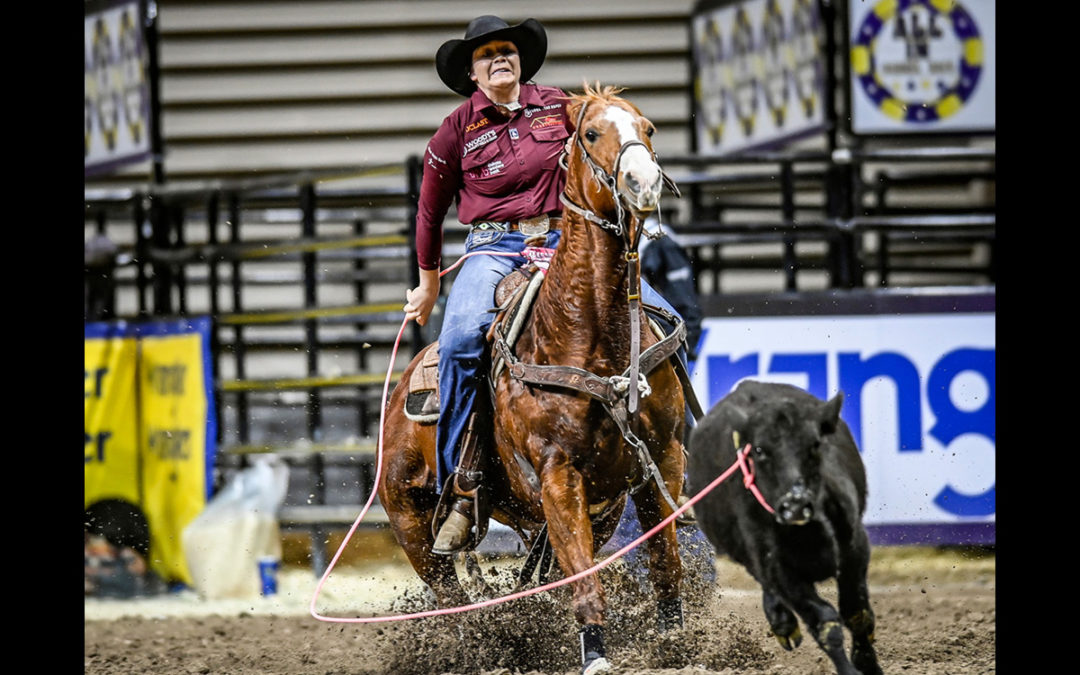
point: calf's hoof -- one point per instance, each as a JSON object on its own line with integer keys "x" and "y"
{"x": 866, "y": 661}
{"x": 791, "y": 640}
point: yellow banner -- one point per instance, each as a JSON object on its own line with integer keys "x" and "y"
{"x": 111, "y": 454}
{"x": 151, "y": 428}
{"x": 174, "y": 407}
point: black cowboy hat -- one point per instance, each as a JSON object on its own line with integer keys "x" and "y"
{"x": 454, "y": 58}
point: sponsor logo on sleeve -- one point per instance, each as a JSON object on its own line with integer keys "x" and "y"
{"x": 433, "y": 156}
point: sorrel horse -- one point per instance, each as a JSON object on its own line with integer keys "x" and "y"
{"x": 571, "y": 437}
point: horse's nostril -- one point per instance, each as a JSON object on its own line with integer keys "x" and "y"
{"x": 632, "y": 183}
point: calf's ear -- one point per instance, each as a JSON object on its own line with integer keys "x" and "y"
{"x": 739, "y": 418}
{"x": 830, "y": 413}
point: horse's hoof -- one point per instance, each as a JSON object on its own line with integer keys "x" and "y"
{"x": 597, "y": 665}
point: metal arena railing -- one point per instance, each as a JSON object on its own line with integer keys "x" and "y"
{"x": 304, "y": 278}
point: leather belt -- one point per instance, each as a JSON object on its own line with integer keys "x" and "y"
{"x": 527, "y": 226}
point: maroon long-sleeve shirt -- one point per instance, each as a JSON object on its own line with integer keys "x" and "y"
{"x": 495, "y": 167}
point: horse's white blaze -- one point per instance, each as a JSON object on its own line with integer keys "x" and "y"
{"x": 636, "y": 161}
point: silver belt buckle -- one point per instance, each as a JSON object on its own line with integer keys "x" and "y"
{"x": 531, "y": 227}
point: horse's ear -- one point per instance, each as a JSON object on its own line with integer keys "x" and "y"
{"x": 738, "y": 417}
{"x": 573, "y": 107}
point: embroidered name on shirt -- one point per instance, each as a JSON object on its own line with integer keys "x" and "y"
{"x": 475, "y": 143}
{"x": 546, "y": 121}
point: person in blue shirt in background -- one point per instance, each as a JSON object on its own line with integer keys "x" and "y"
{"x": 667, "y": 267}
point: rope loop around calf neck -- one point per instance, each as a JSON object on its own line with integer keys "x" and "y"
{"x": 747, "y": 465}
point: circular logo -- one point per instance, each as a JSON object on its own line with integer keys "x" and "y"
{"x": 918, "y": 61}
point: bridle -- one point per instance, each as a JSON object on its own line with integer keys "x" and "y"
{"x": 633, "y": 381}
{"x": 618, "y": 394}
{"x": 610, "y": 181}
{"x": 620, "y": 229}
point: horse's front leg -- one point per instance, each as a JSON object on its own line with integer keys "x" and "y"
{"x": 665, "y": 565}
{"x": 566, "y": 509}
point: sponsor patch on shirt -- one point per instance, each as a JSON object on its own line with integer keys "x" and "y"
{"x": 546, "y": 121}
{"x": 479, "y": 141}
{"x": 493, "y": 168}
{"x": 476, "y": 125}
{"x": 514, "y": 134}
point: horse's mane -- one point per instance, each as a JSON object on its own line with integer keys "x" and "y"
{"x": 596, "y": 93}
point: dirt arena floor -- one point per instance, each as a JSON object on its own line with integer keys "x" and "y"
{"x": 936, "y": 614}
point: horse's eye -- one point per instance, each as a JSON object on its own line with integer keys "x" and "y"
{"x": 650, "y": 131}
{"x": 591, "y": 136}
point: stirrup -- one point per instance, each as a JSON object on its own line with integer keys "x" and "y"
{"x": 455, "y": 534}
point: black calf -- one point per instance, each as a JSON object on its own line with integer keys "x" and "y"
{"x": 809, "y": 472}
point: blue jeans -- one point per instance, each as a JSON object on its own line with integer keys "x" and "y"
{"x": 463, "y": 361}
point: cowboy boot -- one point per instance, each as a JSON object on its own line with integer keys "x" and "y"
{"x": 455, "y": 533}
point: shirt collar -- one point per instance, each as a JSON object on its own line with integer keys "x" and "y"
{"x": 527, "y": 96}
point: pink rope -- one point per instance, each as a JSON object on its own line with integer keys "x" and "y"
{"x": 748, "y": 476}
{"x": 513, "y": 596}
{"x": 378, "y": 456}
